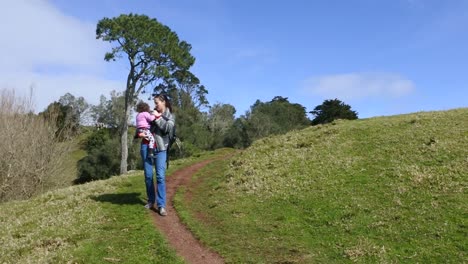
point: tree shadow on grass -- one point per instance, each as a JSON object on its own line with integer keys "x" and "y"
{"x": 119, "y": 198}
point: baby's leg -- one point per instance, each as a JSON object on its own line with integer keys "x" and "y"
{"x": 151, "y": 141}
{"x": 148, "y": 136}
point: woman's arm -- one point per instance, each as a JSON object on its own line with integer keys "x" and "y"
{"x": 165, "y": 122}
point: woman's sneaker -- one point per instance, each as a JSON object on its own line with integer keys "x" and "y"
{"x": 149, "y": 206}
{"x": 162, "y": 211}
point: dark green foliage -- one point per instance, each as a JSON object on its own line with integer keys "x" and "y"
{"x": 330, "y": 110}
{"x": 154, "y": 51}
{"x": 203, "y": 131}
{"x": 97, "y": 139}
{"x": 67, "y": 113}
{"x": 67, "y": 120}
{"x": 78, "y": 105}
{"x": 195, "y": 134}
{"x": 187, "y": 149}
{"x": 187, "y": 100}
{"x": 237, "y": 136}
{"x": 103, "y": 156}
{"x": 275, "y": 117}
{"x": 101, "y": 163}
{"x": 271, "y": 118}
{"x": 189, "y": 93}
{"x": 156, "y": 57}
{"x": 134, "y": 156}
{"x": 219, "y": 120}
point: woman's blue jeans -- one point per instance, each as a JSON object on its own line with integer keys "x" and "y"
{"x": 161, "y": 157}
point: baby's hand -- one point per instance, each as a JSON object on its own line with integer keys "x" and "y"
{"x": 156, "y": 113}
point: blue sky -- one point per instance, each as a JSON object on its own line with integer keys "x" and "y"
{"x": 382, "y": 57}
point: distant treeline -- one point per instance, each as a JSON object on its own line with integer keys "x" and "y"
{"x": 199, "y": 127}
{"x": 44, "y": 140}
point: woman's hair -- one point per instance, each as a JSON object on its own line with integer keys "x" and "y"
{"x": 165, "y": 98}
{"x": 142, "y": 107}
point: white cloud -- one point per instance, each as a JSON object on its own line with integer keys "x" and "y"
{"x": 34, "y": 33}
{"x": 47, "y": 88}
{"x": 55, "y": 53}
{"x": 351, "y": 86}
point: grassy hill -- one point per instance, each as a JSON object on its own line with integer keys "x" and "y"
{"x": 385, "y": 189}
{"x": 98, "y": 222}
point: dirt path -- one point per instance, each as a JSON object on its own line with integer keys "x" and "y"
{"x": 180, "y": 238}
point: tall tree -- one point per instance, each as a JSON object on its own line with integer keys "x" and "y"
{"x": 275, "y": 117}
{"x": 190, "y": 93}
{"x": 188, "y": 100}
{"x": 220, "y": 119}
{"x": 237, "y": 135}
{"x": 330, "y": 110}
{"x": 78, "y": 105}
{"x": 67, "y": 121}
{"x": 154, "y": 54}
{"x": 109, "y": 111}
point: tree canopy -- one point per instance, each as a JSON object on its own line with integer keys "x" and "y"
{"x": 154, "y": 52}
{"x": 330, "y": 110}
{"x": 78, "y": 105}
{"x": 275, "y": 117}
{"x": 64, "y": 116}
{"x": 109, "y": 111}
{"x": 156, "y": 57}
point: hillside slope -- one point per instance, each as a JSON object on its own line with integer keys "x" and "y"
{"x": 427, "y": 151}
{"x": 385, "y": 189}
{"x": 97, "y": 222}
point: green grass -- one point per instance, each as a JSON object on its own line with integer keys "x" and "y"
{"x": 386, "y": 190}
{"x": 98, "y": 222}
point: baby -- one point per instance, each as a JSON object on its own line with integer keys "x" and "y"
{"x": 143, "y": 120}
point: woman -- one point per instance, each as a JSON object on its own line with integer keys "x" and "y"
{"x": 161, "y": 126}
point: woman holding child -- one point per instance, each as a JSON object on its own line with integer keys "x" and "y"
{"x": 162, "y": 123}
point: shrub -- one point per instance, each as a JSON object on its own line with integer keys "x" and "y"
{"x": 103, "y": 159}
{"x": 183, "y": 150}
{"x": 331, "y": 110}
{"x": 97, "y": 139}
{"x": 31, "y": 156}
{"x": 99, "y": 164}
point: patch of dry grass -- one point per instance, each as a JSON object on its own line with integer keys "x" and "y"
{"x": 32, "y": 159}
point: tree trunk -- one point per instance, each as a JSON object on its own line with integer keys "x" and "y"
{"x": 124, "y": 141}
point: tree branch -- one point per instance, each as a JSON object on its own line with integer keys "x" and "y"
{"x": 142, "y": 59}
{"x": 142, "y": 70}
{"x": 143, "y": 84}
{"x": 123, "y": 46}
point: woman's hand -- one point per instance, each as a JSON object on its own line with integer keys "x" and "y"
{"x": 156, "y": 113}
